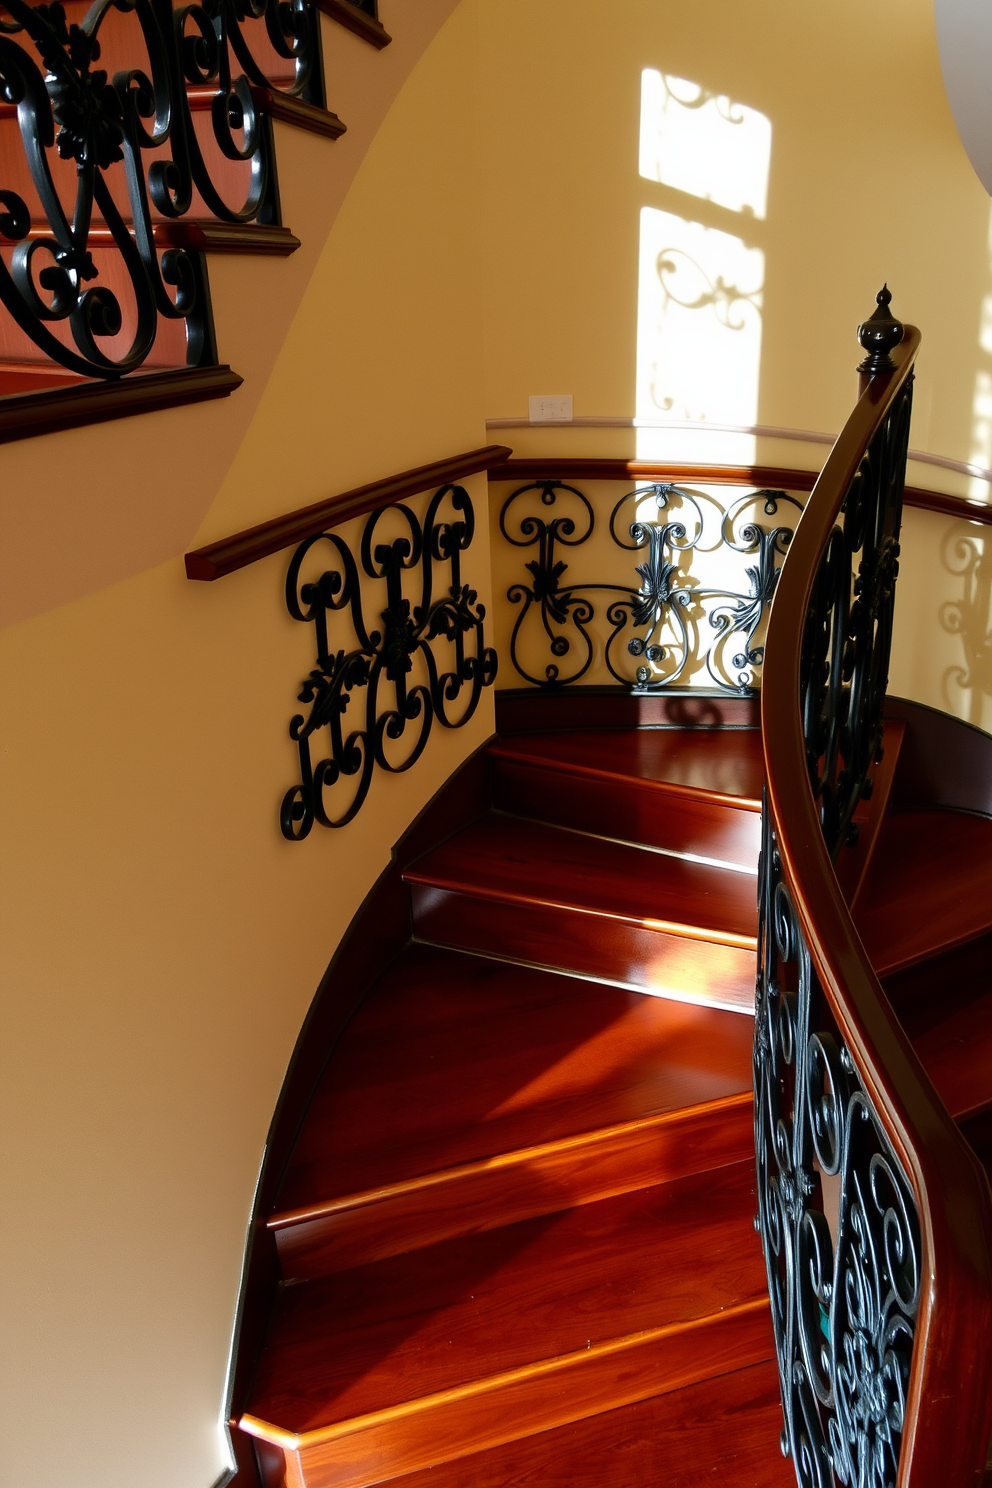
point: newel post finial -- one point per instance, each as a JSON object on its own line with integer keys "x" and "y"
{"x": 878, "y": 335}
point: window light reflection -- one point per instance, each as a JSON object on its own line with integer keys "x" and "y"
{"x": 704, "y": 143}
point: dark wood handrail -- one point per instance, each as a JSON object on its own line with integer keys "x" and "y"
{"x": 778, "y": 476}
{"x": 242, "y": 548}
{"x": 949, "y": 1405}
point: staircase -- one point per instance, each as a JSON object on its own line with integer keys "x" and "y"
{"x": 515, "y": 1234}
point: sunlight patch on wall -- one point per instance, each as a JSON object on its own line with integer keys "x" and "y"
{"x": 704, "y": 143}
{"x": 699, "y": 287}
{"x": 698, "y": 337}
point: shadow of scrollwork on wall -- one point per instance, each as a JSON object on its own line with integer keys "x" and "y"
{"x": 967, "y": 556}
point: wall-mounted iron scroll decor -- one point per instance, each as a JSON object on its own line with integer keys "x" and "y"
{"x": 344, "y": 690}
{"x": 837, "y": 1218}
{"x": 670, "y": 625}
{"x": 111, "y": 159}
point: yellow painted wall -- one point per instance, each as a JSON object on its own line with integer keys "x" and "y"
{"x": 868, "y": 182}
{"x": 161, "y": 941}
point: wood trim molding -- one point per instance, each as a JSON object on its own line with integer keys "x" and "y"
{"x": 573, "y": 468}
{"x": 301, "y": 115}
{"x": 359, "y": 21}
{"x": 23, "y": 415}
{"x": 206, "y": 235}
{"x": 242, "y": 548}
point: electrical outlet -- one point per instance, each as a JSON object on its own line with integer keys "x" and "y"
{"x": 550, "y": 408}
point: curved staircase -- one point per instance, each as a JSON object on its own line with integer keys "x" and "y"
{"x": 516, "y": 1230}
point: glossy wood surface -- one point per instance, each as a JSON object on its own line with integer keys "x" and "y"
{"x": 949, "y": 1395}
{"x": 721, "y": 1431}
{"x": 433, "y": 1319}
{"x": 534, "y": 1399}
{"x": 944, "y": 762}
{"x": 584, "y": 708}
{"x": 452, "y": 1058}
{"x": 854, "y": 860}
{"x": 777, "y": 477}
{"x": 22, "y": 415}
{"x": 242, "y": 548}
{"x": 512, "y": 860}
{"x": 929, "y": 887}
{"x": 523, "y": 891}
{"x": 519, "y": 1184}
{"x": 725, "y": 765}
{"x": 650, "y": 959}
{"x": 690, "y": 792}
{"x": 367, "y": 27}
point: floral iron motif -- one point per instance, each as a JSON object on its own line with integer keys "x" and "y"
{"x": 837, "y": 1219}
{"x": 836, "y": 1214}
{"x": 139, "y": 162}
{"x": 388, "y": 655}
{"x": 669, "y": 609}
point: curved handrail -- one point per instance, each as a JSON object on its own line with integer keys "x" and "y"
{"x": 566, "y": 468}
{"x": 241, "y": 548}
{"x": 947, "y": 1417}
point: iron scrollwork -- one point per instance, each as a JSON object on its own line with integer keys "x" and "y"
{"x": 138, "y": 160}
{"x": 657, "y": 624}
{"x": 387, "y": 656}
{"x": 837, "y": 1218}
{"x": 848, "y": 632}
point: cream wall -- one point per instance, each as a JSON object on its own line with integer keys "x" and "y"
{"x": 868, "y": 182}
{"x": 161, "y": 940}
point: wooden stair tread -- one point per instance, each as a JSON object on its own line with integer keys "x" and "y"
{"x": 427, "y": 1322}
{"x": 929, "y": 887}
{"x": 512, "y": 860}
{"x": 723, "y": 1430}
{"x": 720, "y": 764}
{"x": 957, "y": 1055}
{"x": 452, "y": 1058}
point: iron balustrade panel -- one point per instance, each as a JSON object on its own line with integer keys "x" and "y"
{"x": 663, "y": 625}
{"x": 837, "y": 1219}
{"x": 837, "y": 1216}
{"x": 356, "y": 662}
{"x": 105, "y": 154}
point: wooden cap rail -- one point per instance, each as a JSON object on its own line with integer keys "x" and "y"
{"x": 947, "y": 1404}
{"x": 237, "y": 551}
{"x": 718, "y": 475}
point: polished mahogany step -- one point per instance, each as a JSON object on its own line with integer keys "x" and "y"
{"x": 547, "y": 896}
{"x": 724, "y": 1430}
{"x": 468, "y": 1093}
{"x": 694, "y": 791}
{"x": 945, "y": 1005}
{"x": 929, "y": 887}
{"x": 421, "y": 1358}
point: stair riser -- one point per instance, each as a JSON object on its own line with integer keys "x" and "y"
{"x": 733, "y": 1422}
{"x": 589, "y": 944}
{"x": 480, "y": 1197}
{"x": 553, "y": 1394}
{"x": 630, "y": 810}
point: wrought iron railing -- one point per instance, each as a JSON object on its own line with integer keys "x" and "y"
{"x": 667, "y": 623}
{"x": 398, "y": 633}
{"x": 873, "y": 1213}
{"x": 130, "y": 118}
{"x": 356, "y": 662}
